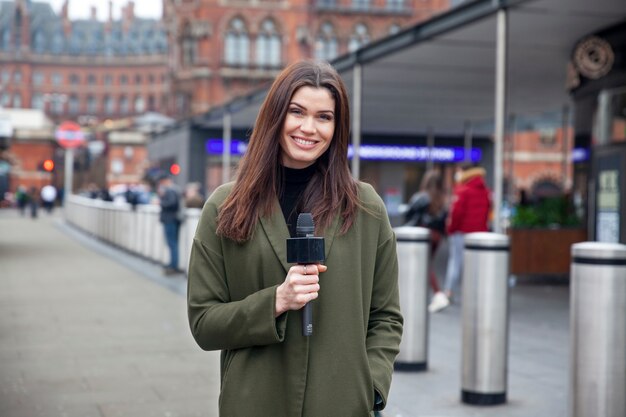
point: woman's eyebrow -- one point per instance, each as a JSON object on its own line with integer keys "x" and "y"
{"x": 304, "y": 108}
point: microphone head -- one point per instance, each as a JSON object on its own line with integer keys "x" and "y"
{"x": 305, "y": 225}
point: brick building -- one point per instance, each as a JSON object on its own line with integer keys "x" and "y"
{"x": 222, "y": 49}
{"x": 84, "y": 70}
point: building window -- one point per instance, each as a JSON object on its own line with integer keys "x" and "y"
{"x": 6, "y": 76}
{"x": 326, "y": 4}
{"x": 39, "y": 42}
{"x": 395, "y": 5}
{"x": 37, "y": 102}
{"x": 123, "y": 105}
{"x": 92, "y": 104}
{"x": 74, "y": 79}
{"x": 74, "y": 105}
{"x": 57, "y": 104}
{"x": 140, "y": 104}
{"x": 91, "y": 79}
{"x": 138, "y": 79}
{"x": 108, "y": 80}
{"x": 37, "y": 78}
{"x": 17, "y": 101}
{"x": 17, "y": 76}
{"x": 361, "y": 4}
{"x": 109, "y": 105}
{"x": 237, "y": 43}
{"x": 6, "y": 39}
{"x": 326, "y": 43}
{"x": 151, "y": 103}
{"x": 57, "y": 43}
{"x": 18, "y": 29}
{"x": 57, "y": 79}
{"x": 268, "y": 45}
{"x": 188, "y": 46}
{"x": 123, "y": 80}
{"x": 359, "y": 37}
{"x": 5, "y": 101}
{"x": 393, "y": 29}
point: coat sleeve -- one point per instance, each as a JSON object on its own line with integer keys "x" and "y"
{"x": 385, "y": 321}
{"x": 456, "y": 212}
{"x": 215, "y": 320}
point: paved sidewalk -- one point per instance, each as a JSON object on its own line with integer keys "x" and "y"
{"x": 88, "y": 330}
{"x": 84, "y": 336}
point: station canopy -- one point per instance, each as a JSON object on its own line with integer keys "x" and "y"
{"x": 440, "y": 74}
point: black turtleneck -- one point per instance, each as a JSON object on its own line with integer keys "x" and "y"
{"x": 294, "y": 183}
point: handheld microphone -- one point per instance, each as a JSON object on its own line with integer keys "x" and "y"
{"x": 305, "y": 249}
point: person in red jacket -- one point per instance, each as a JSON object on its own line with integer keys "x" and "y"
{"x": 469, "y": 212}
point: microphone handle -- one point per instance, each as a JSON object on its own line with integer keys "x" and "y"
{"x": 307, "y": 320}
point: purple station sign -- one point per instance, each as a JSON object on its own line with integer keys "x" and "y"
{"x": 374, "y": 152}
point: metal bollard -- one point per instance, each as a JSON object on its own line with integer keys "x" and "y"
{"x": 597, "y": 384}
{"x": 413, "y": 265}
{"x": 485, "y": 318}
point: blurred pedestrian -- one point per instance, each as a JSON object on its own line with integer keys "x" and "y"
{"x": 193, "y": 195}
{"x": 48, "y": 197}
{"x": 469, "y": 212}
{"x": 33, "y": 201}
{"x": 170, "y": 201}
{"x": 427, "y": 209}
{"x": 244, "y": 297}
{"x": 21, "y": 197}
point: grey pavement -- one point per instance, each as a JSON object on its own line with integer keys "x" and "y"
{"x": 89, "y": 330}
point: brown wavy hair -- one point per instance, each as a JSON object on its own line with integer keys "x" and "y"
{"x": 331, "y": 190}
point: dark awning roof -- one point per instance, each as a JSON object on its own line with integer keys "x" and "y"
{"x": 440, "y": 74}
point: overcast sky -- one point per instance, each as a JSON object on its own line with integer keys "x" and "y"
{"x": 81, "y": 9}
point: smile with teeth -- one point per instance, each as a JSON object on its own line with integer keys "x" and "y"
{"x": 303, "y": 141}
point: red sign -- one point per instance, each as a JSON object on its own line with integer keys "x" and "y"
{"x": 70, "y": 135}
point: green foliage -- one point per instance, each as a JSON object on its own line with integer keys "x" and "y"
{"x": 549, "y": 212}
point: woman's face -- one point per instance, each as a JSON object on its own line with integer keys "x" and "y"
{"x": 309, "y": 127}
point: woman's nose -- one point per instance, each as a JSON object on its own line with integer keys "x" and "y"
{"x": 308, "y": 125}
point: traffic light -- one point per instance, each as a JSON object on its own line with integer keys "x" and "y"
{"x": 47, "y": 165}
{"x": 174, "y": 169}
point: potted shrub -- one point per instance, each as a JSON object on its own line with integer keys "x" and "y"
{"x": 542, "y": 235}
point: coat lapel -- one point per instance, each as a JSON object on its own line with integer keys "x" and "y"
{"x": 277, "y": 233}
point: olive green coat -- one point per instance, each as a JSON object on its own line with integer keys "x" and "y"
{"x": 268, "y": 368}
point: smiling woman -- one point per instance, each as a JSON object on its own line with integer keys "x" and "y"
{"x": 243, "y": 296}
{"x": 308, "y": 128}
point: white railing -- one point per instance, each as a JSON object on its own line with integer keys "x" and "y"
{"x": 138, "y": 231}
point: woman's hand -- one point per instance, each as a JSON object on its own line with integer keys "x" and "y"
{"x": 301, "y": 286}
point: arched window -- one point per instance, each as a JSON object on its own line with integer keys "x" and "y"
{"x": 123, "y": 105}
{"x": 361, "y": 4}
{"x": 326, "y": 43}
{"x": 359, "y": 37}
{"x": 140, "y": 104}
{"x": 393, "y": 29}
{"x": 17, "y": 101}
{"x": 188, "y": 46}
{"x": 268, "y": 45}
{"x": 37, "y": 102}
{"x": 74, "y": 105}
{"x": 92, "y": 104}
{"x": 236, "y": 43}
{"x": 57, "y": 42}
{"x": 6, "y": 38}
{"x": 395, "y": 5}
{"x": 109, "y": 105}
{"x": 151, "y": 103}
{"x": 39, "y": 41}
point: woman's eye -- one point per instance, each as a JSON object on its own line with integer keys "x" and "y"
{"x": 326, "y": 117}
{"x": 295, "y": 110}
